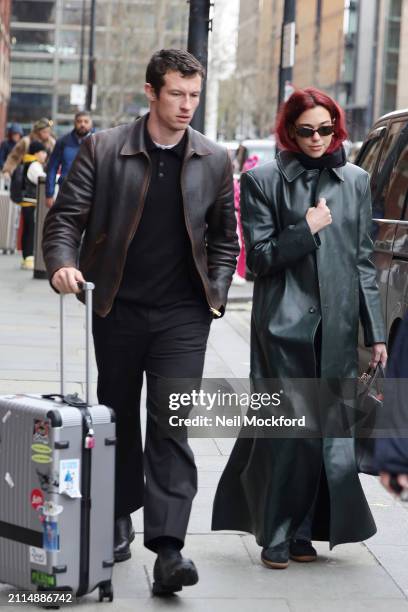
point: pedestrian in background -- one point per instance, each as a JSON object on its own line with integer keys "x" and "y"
{"x": 306, "y": 218}
{"x": 14, "y": 135}
{"x": 41, "y": 132}
{"x": 64, "y": 153}
{"x": 152, "y": 206}
{"x": 391, "y": 454}
{"x": 33, "y": 168}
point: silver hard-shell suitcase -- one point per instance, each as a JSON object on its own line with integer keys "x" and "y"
{"x": 9, "y": 219}
{"x": 57, "y": 471}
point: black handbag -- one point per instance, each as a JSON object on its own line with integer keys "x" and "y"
{"x": 370, "y": 399}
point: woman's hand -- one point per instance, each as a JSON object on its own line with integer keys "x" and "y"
{"x": 319, "y": 216}
{"x": 378, "y": 354}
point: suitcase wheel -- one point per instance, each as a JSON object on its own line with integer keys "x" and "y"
{"x": 106, "y": 591}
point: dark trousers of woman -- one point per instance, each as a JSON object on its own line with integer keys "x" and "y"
{"x": 165, "y": 342}
{"x": 27, "y": 239}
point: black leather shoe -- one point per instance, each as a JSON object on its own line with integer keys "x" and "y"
{"x": 171, "y": 572}
{"x": 302, "y": 551}
{"x": 124, "y": 535}
{"x": 276, "y": 557}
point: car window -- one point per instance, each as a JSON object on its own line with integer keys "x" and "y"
{"x": 391, "y": 186}
{"x": 369, "y": 154}
{"x": 393, "y": 133}
{"x": 398, "y": 188}
{"x": 383, "y": 192}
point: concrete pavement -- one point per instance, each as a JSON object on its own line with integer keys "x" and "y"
{"x": 360, "y": 577}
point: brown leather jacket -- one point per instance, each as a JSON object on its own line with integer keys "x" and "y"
{"x": 100, "y": 204}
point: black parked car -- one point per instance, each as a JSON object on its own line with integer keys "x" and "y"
{"x": 384, "y": 155}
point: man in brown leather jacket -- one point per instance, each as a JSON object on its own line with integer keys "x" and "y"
{"x": 150, "y": 209}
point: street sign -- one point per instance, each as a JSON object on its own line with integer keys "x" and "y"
{"x": 288, "y": 46}
{"x": 78, "y": 95}
{"x": 94, "y": 96}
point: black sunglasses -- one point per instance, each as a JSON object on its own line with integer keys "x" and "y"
{"x": 308, "y": 132}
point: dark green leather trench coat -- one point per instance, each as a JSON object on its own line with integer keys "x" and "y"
{"x": 303, "y": 282}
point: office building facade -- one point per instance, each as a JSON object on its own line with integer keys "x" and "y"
{"x": 50, "y": 42}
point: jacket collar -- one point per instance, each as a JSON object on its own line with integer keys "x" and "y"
{"x": 135, "y": 141}
{"x": 291, "y": 167}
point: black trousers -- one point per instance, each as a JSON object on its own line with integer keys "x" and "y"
{"x": 27, "y": 239}
{"x": 167, "y": 342}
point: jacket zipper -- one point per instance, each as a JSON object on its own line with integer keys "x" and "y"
{"x": 213, "y": 310}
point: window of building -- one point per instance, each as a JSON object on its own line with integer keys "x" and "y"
{"x": 69, "y": 42}
{"x": 391, "y": 60}
{"x": 26, "y": 107}
{"x": 32, "y": 11}
{"x": 35, "y": 69}
{"x": 64, "y": 105}
{"x": 68, "y": 70}
{"x": 33, "y": 40}
{"x": 75, "y": 11}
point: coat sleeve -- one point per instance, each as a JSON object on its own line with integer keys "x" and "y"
{"x": 221, "y": 237}
{"x": 269, "y": 250}
{"x": 391, "y": 455}
{"x": 67, "y": 218}
{"x": 370, "y": 307}
{"x": 52, "y": 168}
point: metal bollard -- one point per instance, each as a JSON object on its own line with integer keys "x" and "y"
{"x": 41, "y": 212}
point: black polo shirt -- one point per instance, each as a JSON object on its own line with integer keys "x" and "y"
{"x": 159, "y": 268}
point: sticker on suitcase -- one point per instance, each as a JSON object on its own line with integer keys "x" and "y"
{"x": 41, "y": 453}
{"x": 41, "y": 431}
{"x": 37, "y": 499}
{"x": 38, "y": 556}
{"x": 69, "y": 478}
{"x": 49, "y": 482}
{"x": 51, "y": 535}
{"x": 43, "y": 579}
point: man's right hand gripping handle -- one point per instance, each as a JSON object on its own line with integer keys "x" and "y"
{"x": 65, "y": 280}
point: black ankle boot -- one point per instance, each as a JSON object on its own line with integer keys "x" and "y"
{"x": 171, "y": 572}
{"x": 124, "y": 535}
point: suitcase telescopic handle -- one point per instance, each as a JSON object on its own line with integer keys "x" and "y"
{"x": 87, "y": 288}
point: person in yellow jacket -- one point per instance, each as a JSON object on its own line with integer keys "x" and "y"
{"x": 33, "y": 163}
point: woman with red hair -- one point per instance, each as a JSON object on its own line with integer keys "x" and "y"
{"x": 306, "y": 219}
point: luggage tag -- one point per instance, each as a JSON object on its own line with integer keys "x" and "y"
{"x": 51, "y": 536}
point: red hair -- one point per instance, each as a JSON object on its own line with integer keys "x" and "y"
{"x": 296, "y": 104}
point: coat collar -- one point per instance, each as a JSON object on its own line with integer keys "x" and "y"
{"x": 291, "y": 167}
{"x": 135, "y": 141}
